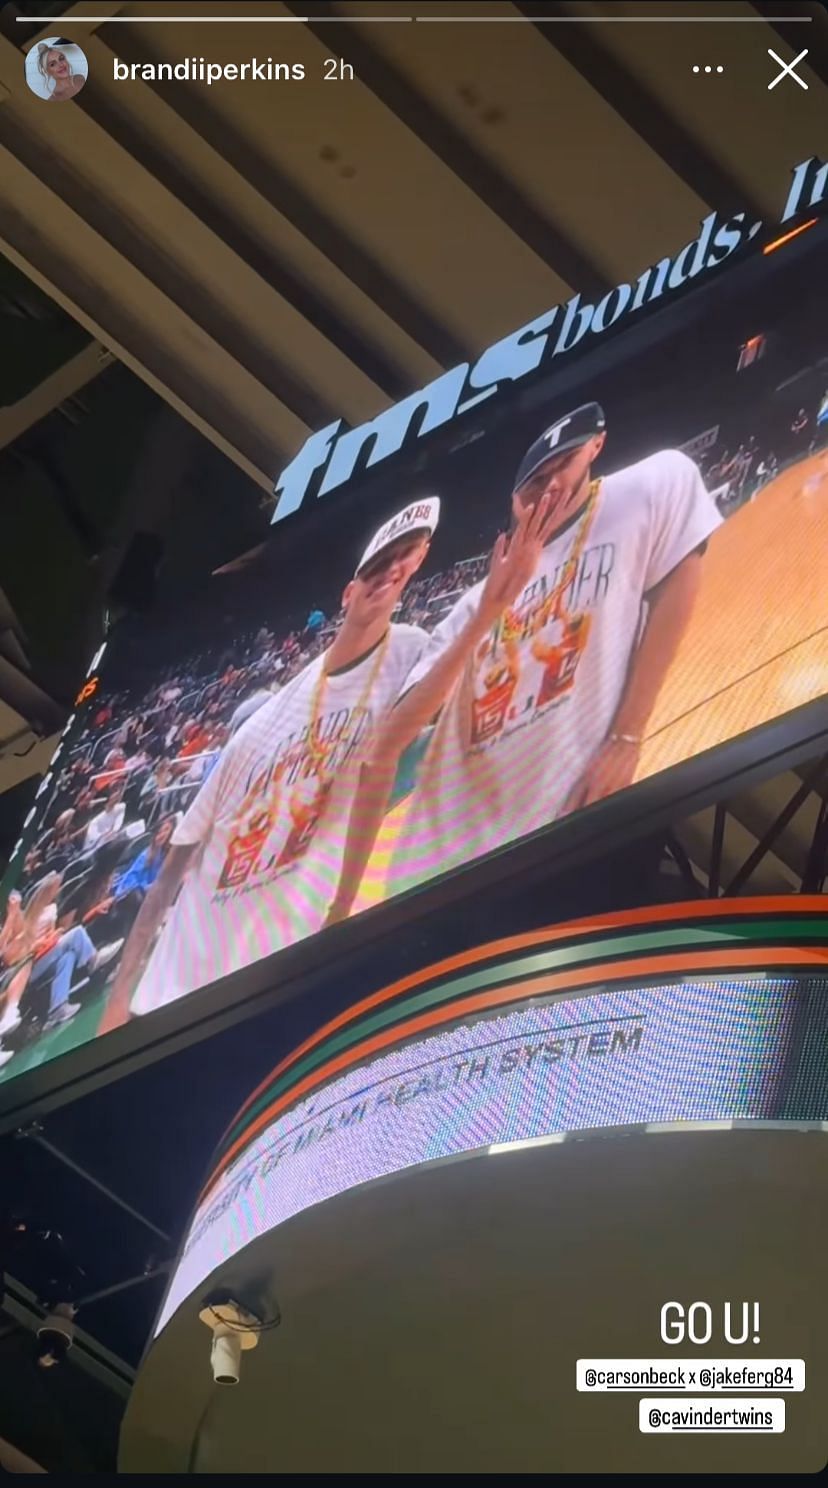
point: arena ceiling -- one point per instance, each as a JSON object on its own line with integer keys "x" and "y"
{"x": 271, "y": 257}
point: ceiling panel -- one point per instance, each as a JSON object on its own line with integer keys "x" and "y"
{"x": 589, "y": 172}
{"x": 401, "y": 204}
{"x": 727, "y": 113}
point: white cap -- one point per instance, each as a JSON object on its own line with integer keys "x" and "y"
{"x": 420, "y": 516}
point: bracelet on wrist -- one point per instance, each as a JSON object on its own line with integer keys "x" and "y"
{"x": 615, "y": 738}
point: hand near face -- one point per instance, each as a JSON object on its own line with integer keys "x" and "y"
{"x": 515, "y": 559}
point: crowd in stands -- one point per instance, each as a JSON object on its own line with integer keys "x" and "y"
{"x": 736, "y": 475}
{"x": 426, "y": 601}
{"x": 132, "y": 771}
{"x": 139, "y": 761}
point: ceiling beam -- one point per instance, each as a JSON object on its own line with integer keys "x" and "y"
{"x": 277, "y": 187}
{"x": 68, "y": 380}
{"x": 641, "y": 110}
{"x": 82, "y": 296}
{"x": 685, "y": 866}
{"x": 165, "y": 274}
{"x": 813, "y": 879}
{"x": 547, "y": 239}
{"x": 20, "y": 693}
{"x": 256, "y": 254}
{"x": 715, "y": 870}
{"x": 777, "y": 827}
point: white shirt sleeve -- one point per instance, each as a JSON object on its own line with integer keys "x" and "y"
{"x": 197, "y": 821}
{"x": 683, "y": 513}
{"x": 95, "y": 830}
{"x": 46, "y": 920}
{"x": 441, "y": 637}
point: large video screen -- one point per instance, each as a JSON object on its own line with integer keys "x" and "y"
{"x": 583, "y": 589}
{"x": 649, "y": 1056}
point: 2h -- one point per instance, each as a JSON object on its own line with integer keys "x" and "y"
{"x": 337, "y": 71}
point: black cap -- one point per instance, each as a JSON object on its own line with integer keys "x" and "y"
{"x": 565, "y": 434}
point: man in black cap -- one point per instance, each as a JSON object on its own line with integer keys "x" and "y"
{"x": 542, "y": 708}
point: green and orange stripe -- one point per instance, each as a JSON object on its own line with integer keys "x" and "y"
{"x": 667, "y": 941}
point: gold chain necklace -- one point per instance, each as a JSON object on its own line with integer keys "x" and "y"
{"x": 320, "y": 749}
{"x": 511, "y": 625}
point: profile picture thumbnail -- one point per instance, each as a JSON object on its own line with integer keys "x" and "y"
{"x": 56, "y": 69}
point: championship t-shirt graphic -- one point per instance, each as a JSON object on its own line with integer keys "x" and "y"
{"x": 538, "y": 629}
{"x": 557, "y": 644}
{"x": 270, "y": 822}
{"x": 538, "y": 696}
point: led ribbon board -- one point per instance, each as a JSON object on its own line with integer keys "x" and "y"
{"x": 638, "y": 1020}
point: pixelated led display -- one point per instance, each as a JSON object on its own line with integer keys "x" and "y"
{"x": 707, "y": 1049}
{"x": 511, "y": 630}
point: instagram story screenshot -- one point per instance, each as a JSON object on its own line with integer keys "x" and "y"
{"x": 414, "y": 736}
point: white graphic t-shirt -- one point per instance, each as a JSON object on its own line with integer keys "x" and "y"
{"x": 538, "y": 697}
{"x": 271, "y": 822}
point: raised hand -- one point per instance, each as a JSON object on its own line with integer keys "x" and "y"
{"x": 515, "y": 559}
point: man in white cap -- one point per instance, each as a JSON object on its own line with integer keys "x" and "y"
{"x": 257, "y": 856}
{"x": 543, "y": 704}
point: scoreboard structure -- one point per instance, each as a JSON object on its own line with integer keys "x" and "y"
{"x": 515, "y": 1158}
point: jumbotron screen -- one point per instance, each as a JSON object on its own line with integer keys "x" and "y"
{"x": 584, "y": 587}
{"x": 648, "y": 1057}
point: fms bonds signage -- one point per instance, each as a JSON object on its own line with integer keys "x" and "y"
{"x": 338, "y": 452}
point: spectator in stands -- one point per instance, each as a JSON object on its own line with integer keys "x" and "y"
{"x": 132, "y": 737}
{"x": 86, "y": 800}
{"x": 46, "y": 960}
{"x": 108, "y": 823}
{"x": 799, "y": 432}
{"x": 115, "y": 758}
{"x": 248, "y": 707}
{"x": 62, "y": 842}
{"x": 175, "y": 735}
{"x": 194, "y": 739}
{"x": 157, "y": 780}
{"x": 172, "y": 733}
{"x": 48, "y": 992}
{"x": 206, "y": 762}
{"x": 126, "y": 890}
{"x": 715, "y": 473}
{"x": 314, "y": 623}
{"x": 115, "y": 766}
{"x": 32, "y": 863}
{"x": 23, "y": 934}
{"x": 764, "y": 472}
